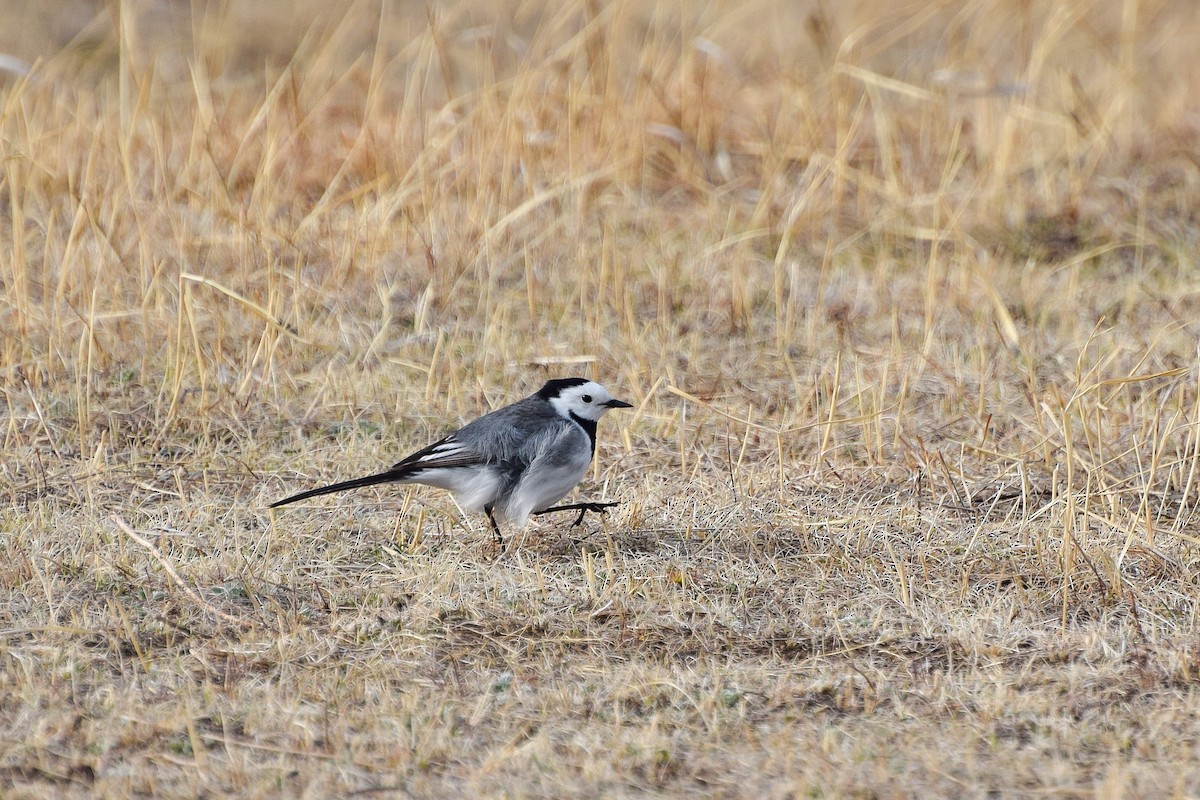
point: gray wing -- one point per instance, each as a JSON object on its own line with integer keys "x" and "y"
{"x": 508, "y": 438}
{"x": 508, "y": 435}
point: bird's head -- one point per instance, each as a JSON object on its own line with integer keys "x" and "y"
{"x": 581, "y": 397}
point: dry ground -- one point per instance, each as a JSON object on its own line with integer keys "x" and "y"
{"x": 906, "y": 298}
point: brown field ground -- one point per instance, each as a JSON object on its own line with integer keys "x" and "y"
{"x": 905, "y": 296}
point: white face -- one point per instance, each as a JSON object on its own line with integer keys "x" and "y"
{"x": 588, "y": 400}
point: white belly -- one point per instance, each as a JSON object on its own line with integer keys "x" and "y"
{"x": 473, "y": 489}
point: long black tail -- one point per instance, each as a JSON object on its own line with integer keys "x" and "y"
{"x": 382, "y": 477}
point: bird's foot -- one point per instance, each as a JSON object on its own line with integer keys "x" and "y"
{"x": 582, "y": 508}
{"x": 496, "y": 535}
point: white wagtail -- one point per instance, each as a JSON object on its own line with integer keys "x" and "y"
{"x": 511, "y": 463}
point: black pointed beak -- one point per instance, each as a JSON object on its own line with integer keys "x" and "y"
{"x": 618, "y": 404}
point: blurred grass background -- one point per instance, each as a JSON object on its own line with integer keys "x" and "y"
{"x": 904, "y": 296}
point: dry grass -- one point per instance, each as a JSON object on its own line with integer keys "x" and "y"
{"x": 905, "y": 298}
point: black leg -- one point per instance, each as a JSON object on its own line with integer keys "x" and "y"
{"x": 495, "y": 526}
{"x": 582, "y": 508}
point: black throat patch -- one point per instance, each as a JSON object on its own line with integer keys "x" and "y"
{"x": 589, "y": 427}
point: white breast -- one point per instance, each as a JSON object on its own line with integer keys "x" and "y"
{"x": 561, "y": 465}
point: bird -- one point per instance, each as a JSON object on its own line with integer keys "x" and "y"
{"x": 512, "y": 463}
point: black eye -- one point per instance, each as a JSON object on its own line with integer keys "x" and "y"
{"x": 587, "y": 398}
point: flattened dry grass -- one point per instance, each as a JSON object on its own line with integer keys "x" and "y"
{"x": 905, "y": 301}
